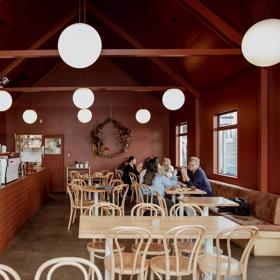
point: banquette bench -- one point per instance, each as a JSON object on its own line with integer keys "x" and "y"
{"x": 265, "y": 214}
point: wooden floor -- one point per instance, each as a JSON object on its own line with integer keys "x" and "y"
{"x": 46, "y": 236}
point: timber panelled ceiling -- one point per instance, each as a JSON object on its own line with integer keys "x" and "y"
{"x": 148, "y": 24}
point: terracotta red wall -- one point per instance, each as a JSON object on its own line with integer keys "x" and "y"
{"x": 240, "y": 92}
{"x": 185, "y": 114}
{"x": 274, "y": 130}
{"x": 59, "y": 116}
{"x": 2, "y": 128}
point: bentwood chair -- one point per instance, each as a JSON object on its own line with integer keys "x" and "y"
{"x": 191, "y": 209}
{"x": 226, "y": 265}
{"x": 145, "y": 194}
{"x": 96, "y": 248}
{"x": 119, "y": 195}
{"x": 186, "y": 246}
{"x": 127, "y": 263}
{"x": 81, "y": 264}
{"x": 134, "y": 183}
{"x": 77, "y": 200}
{"x": 118, "y": 174}
{"x": 156, "y": 247}
{"x": 6, "y": 272}
{"x": 178, "y": 265}
{"x": 162, "y": 203}
{"x": 116, "y": 182}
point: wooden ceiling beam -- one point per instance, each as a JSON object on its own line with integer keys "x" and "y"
{"x": 202, "y": 11}
{"x": 13, "y": 65}
{"x": 127, "y": 53}
{"x": 56, "y": 89}
{"x": 136, "y": 44}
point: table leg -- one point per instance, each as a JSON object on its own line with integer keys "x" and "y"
{"x": 209, "y": 250}
{"x": 107, "y": 253}
{"x": 96, "y": 202}
{"x": 205, "y": 211}
{"x": 174, "y": 198}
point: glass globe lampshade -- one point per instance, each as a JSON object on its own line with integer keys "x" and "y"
{"x": 261, "y": 43}
{"x": 84, "y": 115}
{"x": 83, "y": 98}
{"x": 29, "y": 116}
{"x": 143, "y": 116}
{"x": 79, "y": 45}
{"x": 173, "y": 99}
{"x": 5, "y": 100}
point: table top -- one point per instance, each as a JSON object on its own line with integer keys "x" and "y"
{"x": 98, "y": 226}
{"x": 93, "y": 189}
{"x": 187, "y": 191}
{"x": 209, "y": 201}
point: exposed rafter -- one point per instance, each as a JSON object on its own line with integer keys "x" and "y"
{"x": 204, "y": 13}
{"x": 12, "y": 66}
{"x": 94, "y": 88}
{"x": 127, "y": 53}
{"x": 136, "y": 44}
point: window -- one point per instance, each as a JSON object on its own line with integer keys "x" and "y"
{"x": 182, "y": 144}
{"x": 225, "y": 144}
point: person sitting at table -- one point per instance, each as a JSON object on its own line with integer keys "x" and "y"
{"x": 158, "y": 182}
{"x": 166, "y": 168}
{"x": 129, "y": 168}
{"x": 195, "y": 176}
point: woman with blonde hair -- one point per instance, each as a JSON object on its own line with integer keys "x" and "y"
{"x": 166, "y": 168}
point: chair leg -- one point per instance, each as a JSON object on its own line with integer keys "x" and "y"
{"x": 74, "y": 216}
{"x": 120, "y": 276}
{"x": 244, "y": 275}
{"x": 91, "y": 258}
{"x": 70, "y": 218}
{"x": 152, "y": 275}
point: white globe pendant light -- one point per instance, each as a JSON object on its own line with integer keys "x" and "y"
{"x": 5, "y": 100}
{"x": 84, "y": 115}
{"x": 261, "y": 43}
{"x": 143, "y": 116}
{"x": 29, "y": 116}
{"x": 79, "y": 45}
{"x": 83, "y": 98}
{"x": 173, "y": 99}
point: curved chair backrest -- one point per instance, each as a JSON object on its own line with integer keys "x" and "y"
{"x": 119, "y": 196}
{"x": 133, "y": 178}
{"x": 149, "y": 209}
{"x": 162, "y": 203}
{"x": 145, "y": 193}
{"x": 79, "y": 182}
{"x": 6, "y": 272}
{"x": 118, "y": 174}
{"x": 82, "y": 264}
{"x": 109, "y": 177}
{"x": 191, "y": 209}
{"x": 113, "y": 239}
{"x": 116, "y": 182}
{"x": 193, "y": 233}
{"x": 249, "y": 233}
{"x": 104, "y": 209}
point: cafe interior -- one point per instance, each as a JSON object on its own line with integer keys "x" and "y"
{"x": 139, "y": 139}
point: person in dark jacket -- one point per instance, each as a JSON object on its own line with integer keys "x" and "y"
{"x": 195, "y": 176}
{"x": 129, "y": 168}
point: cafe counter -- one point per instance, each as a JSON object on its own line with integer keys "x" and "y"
{"x": 19, "y": 201}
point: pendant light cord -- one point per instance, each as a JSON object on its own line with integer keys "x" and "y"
{"x": 79, "y": 11}
{"x": 84, "y": 11}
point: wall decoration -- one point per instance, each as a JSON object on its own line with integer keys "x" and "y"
{"x": 122, "y": 134}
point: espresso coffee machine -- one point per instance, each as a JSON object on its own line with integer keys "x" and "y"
{"x": 9, "y": 164}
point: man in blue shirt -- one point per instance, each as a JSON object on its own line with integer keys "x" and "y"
{"x": 195, "y": 176}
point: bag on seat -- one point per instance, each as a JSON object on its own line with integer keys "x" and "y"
{"x": 244, "y": 208}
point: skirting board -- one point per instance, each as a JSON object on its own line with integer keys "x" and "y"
{"x": 267, "y": 244}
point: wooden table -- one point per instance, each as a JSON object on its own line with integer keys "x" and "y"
{"x": 97, "y": 227}
{"x": 209, "y": 201}
{"x": 97, "y": 177}
{"x": 96, "y": 192}
{"x": 183, "y": 191}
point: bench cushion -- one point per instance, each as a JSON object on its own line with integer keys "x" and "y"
{"x": 264, "y": 206}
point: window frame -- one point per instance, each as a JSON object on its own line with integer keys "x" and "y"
{"x": 216, "y": 131}
{"x": 178, "y": 135}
